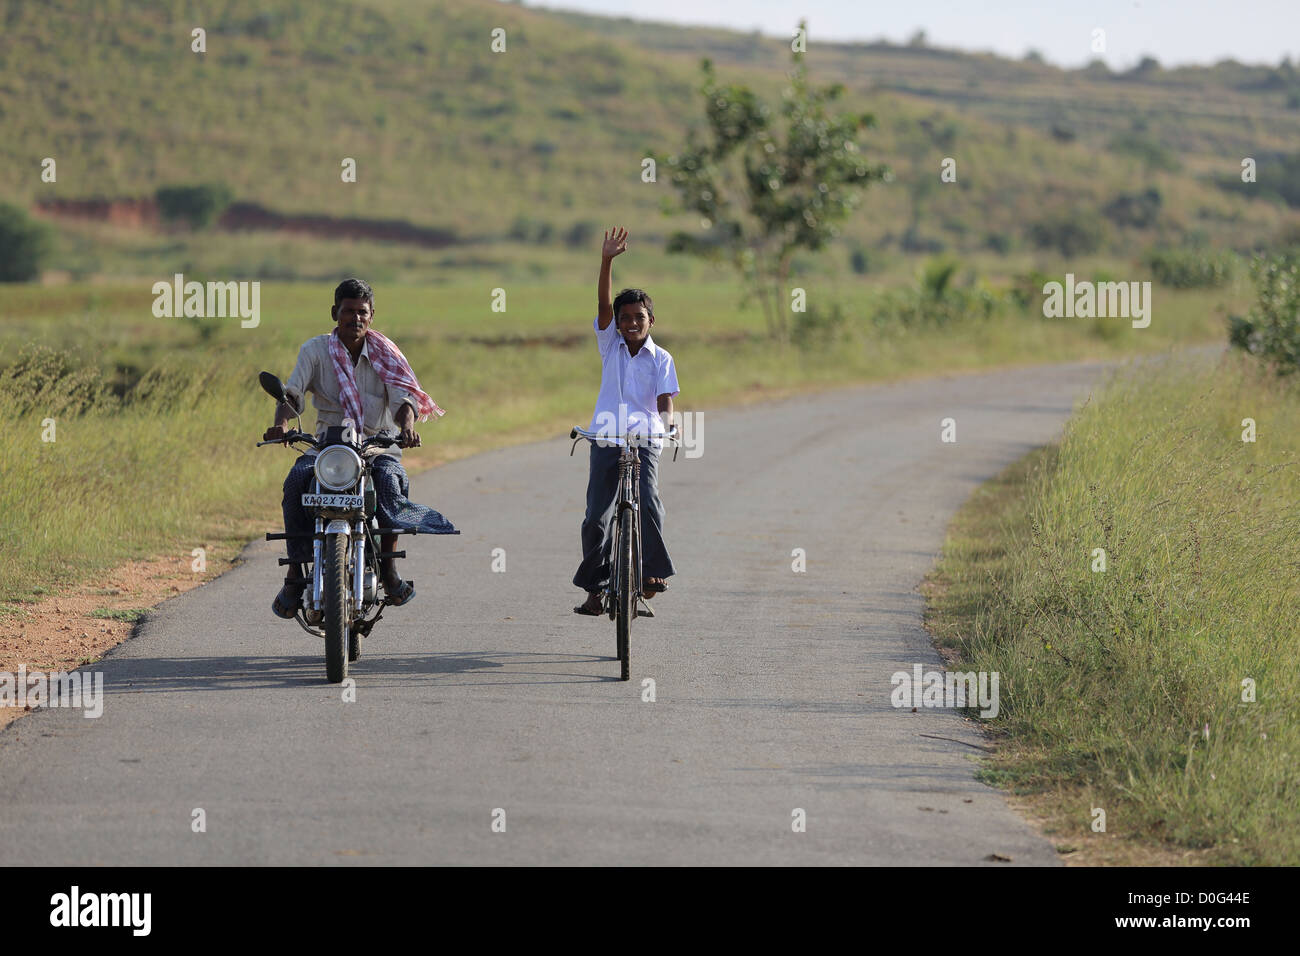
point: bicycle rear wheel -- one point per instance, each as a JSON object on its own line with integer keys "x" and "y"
{"x": 626, "y": 598}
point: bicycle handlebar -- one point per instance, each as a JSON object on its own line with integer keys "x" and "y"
{"x": 578, "y": 432}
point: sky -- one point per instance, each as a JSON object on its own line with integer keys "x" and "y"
{"x": 1175, "y": 32}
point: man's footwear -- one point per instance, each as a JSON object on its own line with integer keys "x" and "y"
{"x": 398, "y": 592}
{"x": 287, "y": 601}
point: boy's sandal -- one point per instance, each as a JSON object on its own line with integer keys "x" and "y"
{"x": 584, "y": 610}
{"x": 656, "y": 588}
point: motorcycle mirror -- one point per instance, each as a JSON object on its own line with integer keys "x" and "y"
{"x": 271, "y": 385}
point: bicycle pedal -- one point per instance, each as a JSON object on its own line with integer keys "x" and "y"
{"x": 643, "y": 608}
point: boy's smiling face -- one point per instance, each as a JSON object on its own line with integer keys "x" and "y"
{"x": 634, "y": 322}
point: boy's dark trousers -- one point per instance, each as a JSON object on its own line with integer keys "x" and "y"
{"x": 602, "y": 493}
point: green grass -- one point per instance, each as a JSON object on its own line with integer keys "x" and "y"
{"x": 1123, "y": 689}
{"x": 130, "y": 615}
{"x": 447, "y": 133}
{"x": 162, "y": 461}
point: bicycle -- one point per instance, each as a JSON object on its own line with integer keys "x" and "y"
{"x": 623, "y": 591}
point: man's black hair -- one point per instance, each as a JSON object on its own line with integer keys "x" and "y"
{"x": 631, "y": 297}
{"x": 354, "y": 289}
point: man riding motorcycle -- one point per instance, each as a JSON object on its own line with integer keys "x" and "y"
{"x": 355, "y": 373}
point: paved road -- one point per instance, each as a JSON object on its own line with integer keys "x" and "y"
{"x": 772, "y": 687}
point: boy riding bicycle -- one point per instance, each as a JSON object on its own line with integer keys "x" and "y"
{"x": 637, "y": 383}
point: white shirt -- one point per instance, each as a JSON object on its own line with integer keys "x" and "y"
{"x": 379, "y": 401}
{"x": 630, "y": 386}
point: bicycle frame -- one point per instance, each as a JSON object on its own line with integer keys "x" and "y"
{"x": 629, "y": 498}
{"x": 623, "y": 608}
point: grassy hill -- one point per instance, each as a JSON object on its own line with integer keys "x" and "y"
{"x": 530, "y": 149}
{"x": 1218, "y": 110}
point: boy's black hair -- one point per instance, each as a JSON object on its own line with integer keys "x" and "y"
{"x": 631, "y": 296}
{"x": 354, "y": 289}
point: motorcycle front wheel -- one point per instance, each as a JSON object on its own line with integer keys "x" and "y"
{"x": 335, "y": 598}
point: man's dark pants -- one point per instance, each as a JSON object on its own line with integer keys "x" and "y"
{"x": 602, "y": 493}
{"x": 392, "y": 507}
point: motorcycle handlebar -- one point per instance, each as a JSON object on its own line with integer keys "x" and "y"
{"x": 289, "y": 438}
{"x": 383, "y": 438}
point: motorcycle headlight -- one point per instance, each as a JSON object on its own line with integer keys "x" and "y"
{"x": 338, "y": 467}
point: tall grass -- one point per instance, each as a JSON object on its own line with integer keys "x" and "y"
{"x": 1130, "y": 687}
{"x": 156, "y": 419}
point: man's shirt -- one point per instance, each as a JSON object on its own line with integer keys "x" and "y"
{"x": 632, "y": 381}
{"x": 379, "y": 401}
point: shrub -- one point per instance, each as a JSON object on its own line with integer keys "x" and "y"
{"x": 816, "y": 326}
{"x": 1272, "y": 330}
{"x": 998, "y": 242}
{"x": 936, "y": 301}
{"x": 25, "y": 245}
{"x": 913, "y": 241}
{"x": 526, "y": 229}
{"x": 1151, "y": 152}
{"x": 581, "y": 234}
{"x": 50, "y": 382}
{"x": 1288, "y": 236}
{"x": 1137, "y": 210}
{"x": 1191, "y": 269}
{"x": 1027, "y": 289}
{"x": 860, "y": 261}
{"x": 1278, "y": 179}
{"x": 1071, "y": 233}
{"x": 199, "y": 206}
{"x": 936, "y": 276}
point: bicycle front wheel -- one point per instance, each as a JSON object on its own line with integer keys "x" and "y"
{"x": 626, "y": 596}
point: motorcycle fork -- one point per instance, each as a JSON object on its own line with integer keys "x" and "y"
{"x": 317, "y": 573}
{"x": 359, "y": 564}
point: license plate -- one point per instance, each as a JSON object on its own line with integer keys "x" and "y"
{"x": 333, "y": 501}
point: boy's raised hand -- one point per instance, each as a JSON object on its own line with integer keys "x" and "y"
{"x": 615, "y": 242}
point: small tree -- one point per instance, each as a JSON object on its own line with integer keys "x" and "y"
{"x": 763, "y": 195}
{"x": 25, "y": 245}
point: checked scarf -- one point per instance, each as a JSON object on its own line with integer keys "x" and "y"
{"x": 386, "y": 359}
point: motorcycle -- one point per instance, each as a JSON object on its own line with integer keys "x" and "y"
{"x": 344, "y": 571}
